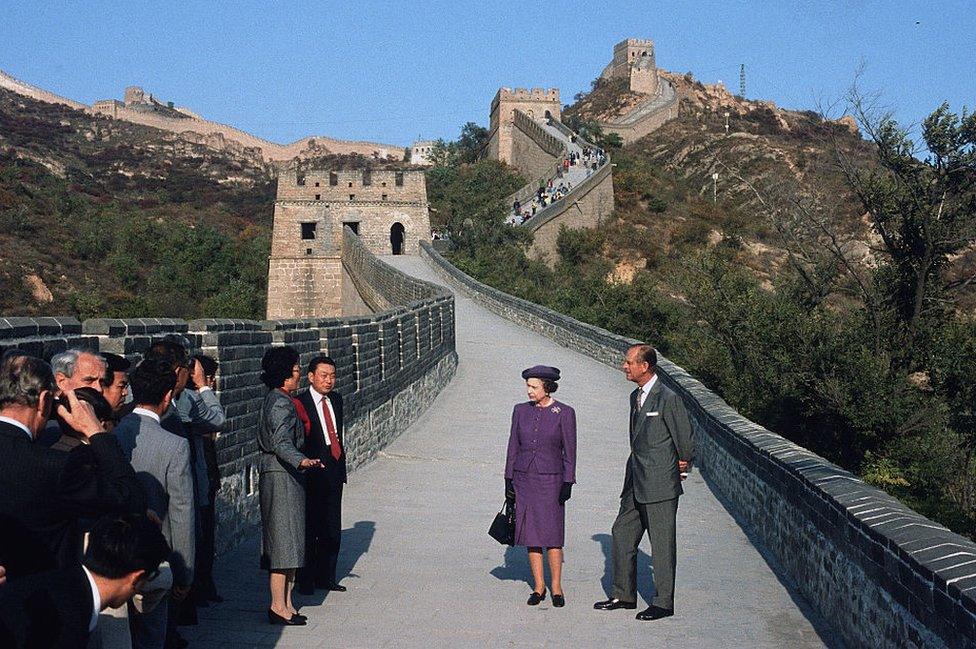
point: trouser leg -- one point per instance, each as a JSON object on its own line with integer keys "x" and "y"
{"x": 332, "y": 532}
{"x": 626, "y": 535}
{"x": 661, "y": 531}
{"x": 308, "y": 574}
{"x": 149, "y": 629}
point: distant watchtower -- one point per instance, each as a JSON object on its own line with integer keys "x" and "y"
{"x": 633, "y": 59}
{"x": 537, "y": 103}
{"x": 387, "y": 209}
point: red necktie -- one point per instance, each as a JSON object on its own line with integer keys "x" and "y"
{"x": 330, "y": 426}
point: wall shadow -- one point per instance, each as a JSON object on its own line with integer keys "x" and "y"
{"x": 515, "y": 566}
{"x": 645, "y": 572}
{"x": 355, "y": 543}
{"x": 830, "y": 636}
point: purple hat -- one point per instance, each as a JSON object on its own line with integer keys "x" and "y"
{"x": 541, "y": 372}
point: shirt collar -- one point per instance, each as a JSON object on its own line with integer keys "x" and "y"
{"x": 650, "y": 384}
{"x": 316, "y": 395}
{"x": 96, "y": 600}
{"x": 146, "y": 413}
{"x": 18, "y": 424}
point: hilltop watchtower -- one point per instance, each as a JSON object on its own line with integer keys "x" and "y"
{"x": 387, "y": 209}
{"x": 633, "y": 59}
{"x": 536, "y": 103}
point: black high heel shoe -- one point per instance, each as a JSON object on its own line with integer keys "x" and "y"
{"x": 535, "y": 598}
{"x": 274, "y": 618}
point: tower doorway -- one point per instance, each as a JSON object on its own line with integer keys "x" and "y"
{"x": 396, "y": 238}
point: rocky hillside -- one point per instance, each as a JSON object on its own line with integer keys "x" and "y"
{"x": 669, "y": 204}
{"x": 106, "y": 217}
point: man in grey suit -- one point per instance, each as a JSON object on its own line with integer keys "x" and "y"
{"x": 661, "y": 449}
{"x": 162, "y": 464}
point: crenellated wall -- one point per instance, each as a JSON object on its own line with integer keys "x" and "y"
{"x": 390, "y": 365}
{"x": 880, "y": 573}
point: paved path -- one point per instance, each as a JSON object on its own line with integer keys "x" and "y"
{"x": 424, "y": 573}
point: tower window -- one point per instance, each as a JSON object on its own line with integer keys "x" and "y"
{"x": 333, "y": 178}
{"x": 367, "y": 177}
{"x": 383, "y": 197}
{"x": 316, "y": 184}
{"x": 398, "y": 178}
{"x": 318, "y": 197}
{"x": 308, "y": 230}
{"x": 352, "y": 197}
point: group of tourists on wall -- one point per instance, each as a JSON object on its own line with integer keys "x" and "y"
{"x": 555, "y": 188}
{"x": 107, "y": 502}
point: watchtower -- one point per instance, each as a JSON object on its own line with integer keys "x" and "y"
{"x": 633, "y": 59}
{"x": 386, "y": 208}
{"x": 537, "y": 103}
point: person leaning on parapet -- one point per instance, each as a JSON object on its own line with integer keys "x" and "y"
{"x": 281, "y": 436}
{"x": 162, "y": 463}
{"x": 661, "y": 450}
{"x": 58, "y": 609}
{"x": 44, "y": 492}
{"x": 323, "y": 489}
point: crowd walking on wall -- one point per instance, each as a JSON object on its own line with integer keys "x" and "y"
{"x": 558, "y": 186}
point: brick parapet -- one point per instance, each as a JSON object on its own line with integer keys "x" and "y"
{"x": 386, "y": 378}
{"x": 881, "y": 574}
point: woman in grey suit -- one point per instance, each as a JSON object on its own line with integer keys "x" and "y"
{"x": 280, "y": 436}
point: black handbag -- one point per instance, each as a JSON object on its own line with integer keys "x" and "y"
{"x": 503, "y": 527}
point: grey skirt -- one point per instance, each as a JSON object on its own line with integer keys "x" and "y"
{"x": 282, "y": 521}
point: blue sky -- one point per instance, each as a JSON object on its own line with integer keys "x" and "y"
{"x": 392, "y": 71}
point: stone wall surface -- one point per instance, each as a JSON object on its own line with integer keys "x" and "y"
{"x": 390, "y": 365}
{"x": 535, "y": 152}
{"x": 882, "y": 574}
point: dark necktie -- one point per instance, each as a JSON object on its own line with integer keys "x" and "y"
{"x": 330, "y": 426}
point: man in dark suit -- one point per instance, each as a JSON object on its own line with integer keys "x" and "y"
{"x": 43, "y": 492}
{"x": 661, "y": 449}
{"x": 58, "y": 609}
{"x": 323, "y": 495}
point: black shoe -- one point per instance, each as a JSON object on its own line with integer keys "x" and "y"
{"x": 274, "y": 618}
{"x": 299, "y": 618}
{"x": 535, "y": 598}
{"x": 336, "y": 587}
{"x": 613, "y": 604}
{"x": 558, "y": 601}
{"x": 654, "y": 613}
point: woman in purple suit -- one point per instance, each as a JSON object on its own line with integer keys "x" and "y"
{"x": 539, "y": 476}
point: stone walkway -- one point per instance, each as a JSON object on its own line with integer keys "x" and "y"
{"x": 422, "y": 571}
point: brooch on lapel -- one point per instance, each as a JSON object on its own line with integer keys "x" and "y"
{"x": 555, "y": 409}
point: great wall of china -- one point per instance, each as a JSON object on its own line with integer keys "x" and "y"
{"x": 877, "y": 573}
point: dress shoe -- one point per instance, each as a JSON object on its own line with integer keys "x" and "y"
{"x": 558, "y": 601}
{"x": 535, "y": 597}
{"x": 336, "y": 587}
{"x": 613, "y": 604}
{"x": 274, "y": 618}
{"x": 299, "y": 618}
{"x": 654, "y": 613}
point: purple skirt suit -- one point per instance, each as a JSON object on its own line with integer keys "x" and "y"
{"x": 541, "y": 457}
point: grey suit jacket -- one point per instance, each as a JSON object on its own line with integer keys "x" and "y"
{"x": 162, "y": 464}
{"x": 281, "y": 435}
{"x": 660, "y": 435}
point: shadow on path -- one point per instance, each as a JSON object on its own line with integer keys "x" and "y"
{"x": 355, "y": 543}
{"x": 824, "y": 631}
{"x": 645, "y": 587}
{"x": 516, "y": 566}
